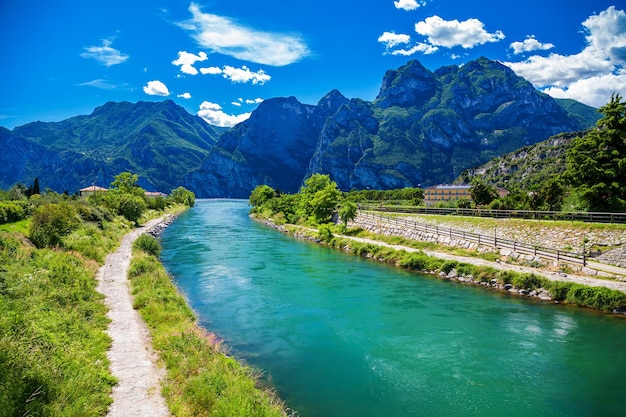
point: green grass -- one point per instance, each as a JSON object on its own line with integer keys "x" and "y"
{"x": 52, "y": 334}
{"x": 201, "y": 378}
{"x": 53, "y": 322}
{"x": 490, "y": 223}
{"x": 20, "y": 227}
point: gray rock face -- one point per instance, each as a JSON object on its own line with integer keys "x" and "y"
{"x": 411, "y": 85}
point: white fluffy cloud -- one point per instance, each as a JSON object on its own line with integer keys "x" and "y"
{"x": 224, "y": 36}
{"x": 244, "y": 75}
{"x": 105, "y": 54}
{"x": 211, "y": 70}
{"x": 255, "y": 101}
{"x": 239, "y": 75}
{"x": 407, "y": 5}
{"x": 451, "y": 33}
{"x": 186, "y": 96}
{"x": 213, "y": 114}
{"x": 156, "y": 88}
{"x": 590, "y": 76}
{"x": 530, "y": 44}
{"x": 392, "y": 39}
{"x": 186, "y": 60}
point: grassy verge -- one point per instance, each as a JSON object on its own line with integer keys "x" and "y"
{"x": 52, "y": 333}
{"x": 201, "y": 379}
{"x": 53, "y": 322}
{"x": 598, "y": 298}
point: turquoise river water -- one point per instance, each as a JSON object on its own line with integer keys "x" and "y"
{"x": 337, "y": 335}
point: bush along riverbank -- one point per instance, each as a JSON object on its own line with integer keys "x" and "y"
{"x": 201, "y": 379}
{"x": 521, "y": 284}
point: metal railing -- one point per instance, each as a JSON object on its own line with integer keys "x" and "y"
{"x": 589, "y": 217}
{"x": 498, "y": 243}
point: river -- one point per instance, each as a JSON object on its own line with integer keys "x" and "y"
{"x": 337, "y": 335}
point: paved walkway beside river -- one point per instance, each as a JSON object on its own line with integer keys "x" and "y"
{"x": 138, "y": 392}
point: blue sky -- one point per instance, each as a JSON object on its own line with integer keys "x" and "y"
{"x": 220, "y": 58}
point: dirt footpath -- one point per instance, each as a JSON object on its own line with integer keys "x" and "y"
{"x": 138, "y": 392}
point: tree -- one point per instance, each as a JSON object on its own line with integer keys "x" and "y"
{"x": 319, "y": 198}
{"x": 34, "y": 189}
{"x": 131, "y": 206}
{"x": 347, "y": 212}
{"x": 550, "y": 194}
{"x": 481, "y": 193}
{"x": 261, "y": 194}
{"x": 125, "y": 182}
{"x": 181, "y": 195}
{"x": 596, "y": 162}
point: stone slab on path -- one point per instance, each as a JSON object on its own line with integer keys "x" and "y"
{"x": 133, "y": 363}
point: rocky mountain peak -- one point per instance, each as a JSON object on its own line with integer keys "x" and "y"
{"x": 332, "y": 101}
{"x": 409, "y": 85}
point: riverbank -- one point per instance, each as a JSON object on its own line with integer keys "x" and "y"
{"x": 540, "y": 283}
{"x": 198, "y": 376}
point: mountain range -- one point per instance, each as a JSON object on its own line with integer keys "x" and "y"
{"x": 423, "y": 128}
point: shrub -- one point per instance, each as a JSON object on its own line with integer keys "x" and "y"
{"x": 600, "y": 298}
{"x": 558, "y": 290}
{"x": 12, "y": 211}
{"x": 131, "y": 206}
{"x": 528, "y": 281}
{"x": 51, "y": 222}
{"x": 417, "y": 261}
{"x": 449, "y": 266}
{"x": 324, "y": 233}
{"x": 148, "y": 244}
{"x": 505, "y": 277}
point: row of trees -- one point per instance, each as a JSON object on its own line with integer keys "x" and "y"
{"x": 316, "y": 203}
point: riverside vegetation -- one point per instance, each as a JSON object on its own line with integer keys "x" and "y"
{"x": 53, "y": 322}
{"x": 310, "y": 213}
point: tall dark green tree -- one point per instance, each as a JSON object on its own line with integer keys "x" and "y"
{"x": 482, "y": 193}
{"x": 596, "y": 162}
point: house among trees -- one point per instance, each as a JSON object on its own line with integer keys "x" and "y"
{"x": 91, "y": 190}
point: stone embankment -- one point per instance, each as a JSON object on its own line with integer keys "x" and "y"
{"x": 611, "y": 241}
{"x": 164, "y": 222}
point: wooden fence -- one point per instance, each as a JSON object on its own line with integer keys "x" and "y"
{"x": 499, "y": 243}
{"x": 589, "y": 217}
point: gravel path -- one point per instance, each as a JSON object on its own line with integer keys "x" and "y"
{"x": 580, "y": 279}
{"x": 138, "y": 392}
